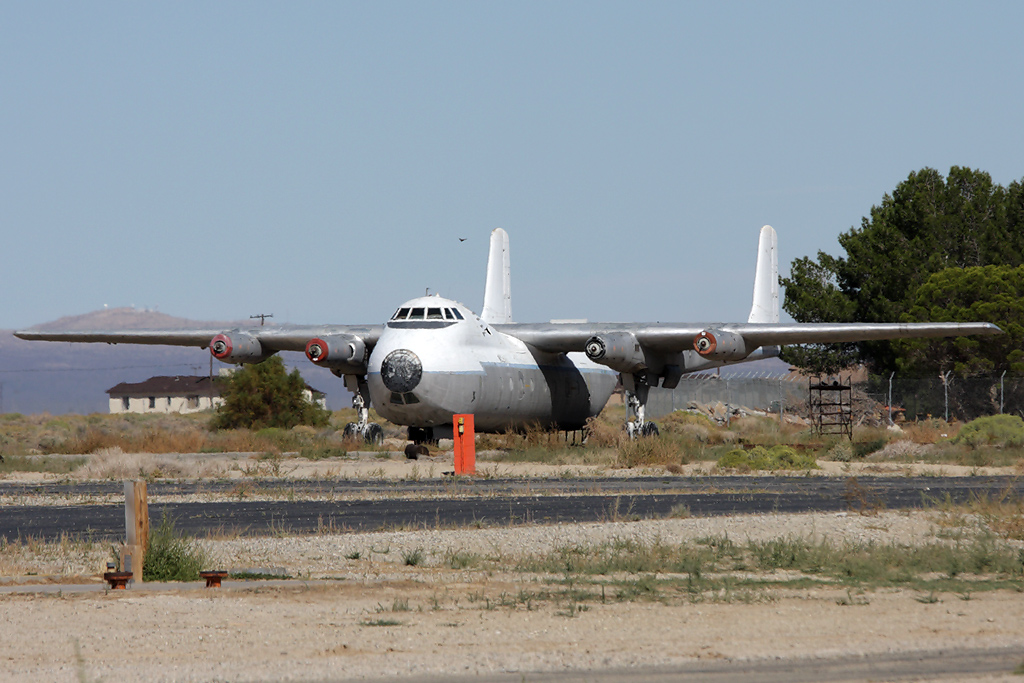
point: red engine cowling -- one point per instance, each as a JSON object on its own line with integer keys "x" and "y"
{"x": 238, "y": 347}
{"x": 342, "y": 353}
{"x": 720, "y": 345}
{"x": 620, "y": 351}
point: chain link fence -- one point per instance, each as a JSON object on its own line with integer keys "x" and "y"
{"x": 758, "y": 392}
{"x": 948, "y": 397}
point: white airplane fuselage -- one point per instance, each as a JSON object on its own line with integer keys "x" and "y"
{"x": 421, "y": 371}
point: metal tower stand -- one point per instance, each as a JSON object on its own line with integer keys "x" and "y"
{"x": 831, "y": 406}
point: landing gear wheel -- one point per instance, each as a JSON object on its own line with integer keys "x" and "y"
{"x": 351, "y": 431}
{"x": 374, "y": 434}
{"x": 414, "y": 450}
{"x": 649, "y": 429}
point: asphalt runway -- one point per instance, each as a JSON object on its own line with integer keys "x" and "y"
{"x": 931, "y": 665}
{"x": 376, "y": 505}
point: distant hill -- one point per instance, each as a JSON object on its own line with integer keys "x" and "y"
{"x": 128, "y": 319}
{"x": 60, "y": 377}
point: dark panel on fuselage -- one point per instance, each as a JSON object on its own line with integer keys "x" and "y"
{"x": 570, "y": 395}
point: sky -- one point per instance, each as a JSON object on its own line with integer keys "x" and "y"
{"x": 320, "y": 161}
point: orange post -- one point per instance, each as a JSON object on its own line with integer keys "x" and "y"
{"x": 465, "y": 444}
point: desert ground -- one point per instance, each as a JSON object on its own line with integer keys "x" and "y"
{"x": 471, "y": 604}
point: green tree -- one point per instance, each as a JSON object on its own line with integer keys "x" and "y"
{"x": 928, "y": 224}
{"x": 990, "y": 293}
{"x": 266, "y": 395}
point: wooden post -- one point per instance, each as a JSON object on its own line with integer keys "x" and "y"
{"x": 465, "y": 444}
{"x": 136, "y": 523}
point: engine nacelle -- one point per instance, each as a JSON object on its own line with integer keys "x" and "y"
{"x": 720, "y": 345}
{"x": 238, "y": 347}
{"x": 343, "y": 353}
{"x": 618, "y": 350}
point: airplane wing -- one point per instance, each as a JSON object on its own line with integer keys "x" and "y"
{"x": 663, "y": 352}
{"x": 200, "y": 338}
{"x": 678, "y": 337}
{"x": 283, "y": 338}
{"x": 340, "y": 347}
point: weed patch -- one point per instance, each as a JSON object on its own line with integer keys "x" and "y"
{"x": 778, "y": 457}
{"x": 704, "y": 569}
{"x": 170, "y": 556}
{"x": 647, "y": 451}
{"x": 40, "y": 463}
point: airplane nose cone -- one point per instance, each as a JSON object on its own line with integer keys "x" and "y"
{"x": 401, "y": 371}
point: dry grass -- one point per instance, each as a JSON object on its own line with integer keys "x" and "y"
{"x": 172, "y": 433}
{"x": 115, "y": 464}
{"x": 1002, "y": 514}
{"x": 930, "y": 431}
{"x": 685, "y": 437}
{"x": 65, "y": 557}
{"x": 648, "y": 452}
{"x": 902, "y": 450}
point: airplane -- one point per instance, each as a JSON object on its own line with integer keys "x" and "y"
{"x": 434, "y": 357}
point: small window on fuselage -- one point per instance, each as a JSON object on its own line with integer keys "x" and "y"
{"x": 434, "y": 314}
{"x": 417, "y": 314}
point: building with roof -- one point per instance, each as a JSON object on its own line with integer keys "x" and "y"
{"x": 177, "y": 394}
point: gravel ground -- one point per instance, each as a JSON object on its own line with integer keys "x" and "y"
{"x": 361, "y": 613}
{"x": 377, "y": 618}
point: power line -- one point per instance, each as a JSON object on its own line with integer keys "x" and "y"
{"x": 109, "y": 369}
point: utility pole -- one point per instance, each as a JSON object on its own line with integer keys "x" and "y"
{"x": 890, "y": 396}
{"x": 1000, "y": 393}
{"x": 945, "y": 392}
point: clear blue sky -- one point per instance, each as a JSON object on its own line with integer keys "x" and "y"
{"x": 319, "y": 161}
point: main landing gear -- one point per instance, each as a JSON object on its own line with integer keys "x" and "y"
{"x": 370, "y": 432}
{"x": 637, "y": 390}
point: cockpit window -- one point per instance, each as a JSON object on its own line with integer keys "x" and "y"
{"x": 407, "y": 313}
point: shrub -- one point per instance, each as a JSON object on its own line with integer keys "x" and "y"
{"x": 170, "y": 556}
{"x": 265, "y": 395}
{"x": 647, "y": 450}
{"x": 995, "y": 430}
{"x": 862, "y": 449}
{"x": 760, "y": 458}
{"x": 603, "y": 434}
{"x": 842, "y": 451}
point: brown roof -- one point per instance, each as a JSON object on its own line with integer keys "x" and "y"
{"x": 177, "y": 385}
